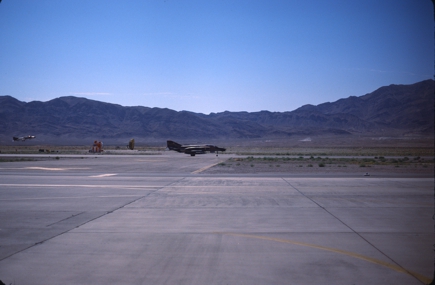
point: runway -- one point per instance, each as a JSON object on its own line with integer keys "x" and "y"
{"x": 159, "y": 219}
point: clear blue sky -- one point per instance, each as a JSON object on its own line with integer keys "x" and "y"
{"x": 212, "y": 55}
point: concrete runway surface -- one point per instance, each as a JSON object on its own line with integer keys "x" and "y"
{"x": 157, "y": 219}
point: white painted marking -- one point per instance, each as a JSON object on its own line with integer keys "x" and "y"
{"x": 104, "y": 175}
{"x": 82, "y": 186}
{"x": 44, "y": 168}
{"x": 69, "y": 197}
{"x": 151, "y": 160}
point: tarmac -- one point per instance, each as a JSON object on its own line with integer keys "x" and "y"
{"x": 159, "y": 219}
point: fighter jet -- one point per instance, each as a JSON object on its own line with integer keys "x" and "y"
{"x": 193, "y": 149}
{"x": 16, "y": 139}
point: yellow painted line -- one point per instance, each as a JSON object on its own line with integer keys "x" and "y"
{"x": 205, "y": 168}
{"x": 103, "y": 175}
{"x": 422, "y": 278}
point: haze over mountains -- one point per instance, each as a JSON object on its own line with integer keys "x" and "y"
{"x": 395, "y": 110}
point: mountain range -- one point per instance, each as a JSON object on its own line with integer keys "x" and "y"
{"x": 397, "y": 110}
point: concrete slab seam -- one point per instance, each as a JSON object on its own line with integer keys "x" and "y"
{"x": 368, "y": 242}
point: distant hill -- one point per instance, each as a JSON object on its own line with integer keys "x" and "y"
{"x": 391, "y": 110}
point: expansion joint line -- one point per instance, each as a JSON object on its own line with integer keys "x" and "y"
{"x": 355, "y": 232}
{"x": 141, "y": 197}
{"x": 70, "y": 217}
{"x": 100, "y": 216}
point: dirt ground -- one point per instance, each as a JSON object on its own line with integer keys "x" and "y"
{"x": 304, "y": 165}
{"x": 401, "y": 155}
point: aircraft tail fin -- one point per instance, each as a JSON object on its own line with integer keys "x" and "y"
{"x": 172, "y": 145}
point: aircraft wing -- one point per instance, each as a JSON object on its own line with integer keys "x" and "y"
{"x": 194, "y": 150}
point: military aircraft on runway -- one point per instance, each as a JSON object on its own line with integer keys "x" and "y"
{"x": 16, "y": 139}
{"x": 194, "y": 149}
